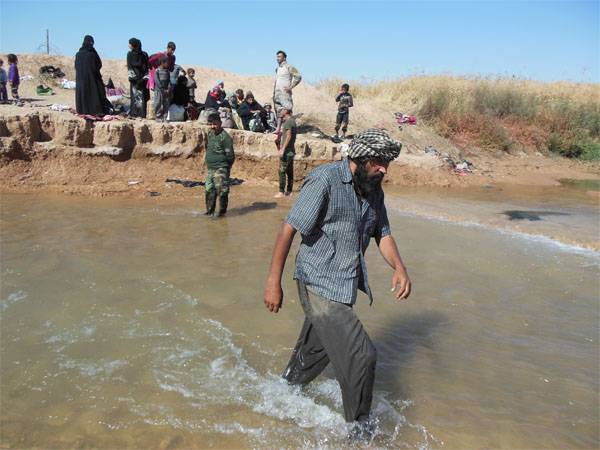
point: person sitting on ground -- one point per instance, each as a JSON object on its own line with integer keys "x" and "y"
{"x": 181, "y": 94}
{"x": 191, "y": 85}
{"x": 162, "y": 89}
{"x": 219, "y": 160}
{"x": 236, "y": 98}
{"x": 216, "y": 97}
{"x": 271, "y": 117}
{"x": 345, "y": 102}
{"x": 179, "y": 101}
{"x": 287, "y": 152}
{"x": 249, "y": 109}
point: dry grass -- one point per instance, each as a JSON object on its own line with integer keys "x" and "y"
{"x": 499, "y": 113}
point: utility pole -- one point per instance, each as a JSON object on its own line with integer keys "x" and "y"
{"x": 47, "y": 41}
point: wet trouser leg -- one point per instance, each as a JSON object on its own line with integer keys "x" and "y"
{"x": 332, "y": 332}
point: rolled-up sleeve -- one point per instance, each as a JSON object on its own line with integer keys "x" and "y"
{"x": 309, "y": 206}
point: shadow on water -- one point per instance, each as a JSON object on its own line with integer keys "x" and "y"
{"x": 531, "y": 215}
{"x": 398, "y": 342}
{"x": 255, "y": 206}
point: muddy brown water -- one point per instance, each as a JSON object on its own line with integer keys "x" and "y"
{"x": 139, "y": 324}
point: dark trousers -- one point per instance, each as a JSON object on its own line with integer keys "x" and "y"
{"x": 286, "y": 171}
{"x": 332, "y": 332}
{"x": 3, "y": 93}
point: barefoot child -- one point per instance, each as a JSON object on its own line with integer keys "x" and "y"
{"x": 162, "y": 89}
{"x": 13, "y": 76}
{"x": 345, "y": 102}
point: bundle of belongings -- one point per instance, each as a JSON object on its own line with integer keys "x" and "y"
{"x": 405, "y": 119}
{"x": 43, "y": 90}
{"x": 51, "y": 71}
{"x": 112, "y": 91}
{"x": 66, "y": 84}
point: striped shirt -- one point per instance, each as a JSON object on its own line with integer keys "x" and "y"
{"x": 336, "y": 227}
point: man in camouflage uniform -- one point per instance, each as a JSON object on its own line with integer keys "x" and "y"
{"x": 287, "y": 152}
{"x": 287, "y": 78}
{"x": 219, "y": 159}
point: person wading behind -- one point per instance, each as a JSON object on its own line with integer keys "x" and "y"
{"x": 219, "y": 160}
{"x": 90, "y": 94}
{"x": 137, "y": 67}
{"x": 287, "y": 152}
{"x": 339, "y": 209}
{"x": 287, "y": 78}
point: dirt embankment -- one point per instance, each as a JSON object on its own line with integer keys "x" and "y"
{"x": 59, "y": 152}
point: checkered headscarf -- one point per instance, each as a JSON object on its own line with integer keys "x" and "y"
{"x": 374, "y": 143}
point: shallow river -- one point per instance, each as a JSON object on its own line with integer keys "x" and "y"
{"x": 131, "y": 323}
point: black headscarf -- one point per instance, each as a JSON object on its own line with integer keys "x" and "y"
{"x": 136, "y": 44}
{"x": 88, "y": 43}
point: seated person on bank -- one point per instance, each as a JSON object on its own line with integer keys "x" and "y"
{"x": 250, "y": 108}
{"x": 216, "y": 97}
{"x": 236, "y": 99}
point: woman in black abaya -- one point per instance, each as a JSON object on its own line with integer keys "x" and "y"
{"x": 90, "y": 96}
{"x": 137, "y": 67}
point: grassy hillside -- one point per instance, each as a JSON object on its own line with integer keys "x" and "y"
{"x": 505, "y": 113}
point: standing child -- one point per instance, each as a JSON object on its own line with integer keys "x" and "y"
{"x": 271, "y": 118}
{"x": 3, "y": 80}
{"x": 191, "y": 85}
{"x": 344, "y": 101}
{"x": 13, "y": 76}
{"x": 162, "y": 89}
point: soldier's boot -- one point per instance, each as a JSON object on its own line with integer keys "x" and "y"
{"x": 223, "y": 202}
{"x": 210, "y": 197}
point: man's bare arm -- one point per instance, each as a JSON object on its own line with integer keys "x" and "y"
{"x": 401, "y": 283}
{"x": 273, "y": 292}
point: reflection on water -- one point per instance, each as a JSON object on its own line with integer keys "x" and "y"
{"x": 140, "y": 324}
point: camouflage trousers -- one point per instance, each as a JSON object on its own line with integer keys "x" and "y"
{"x": 286, "y": 171}
{"x": 217, "y": 180}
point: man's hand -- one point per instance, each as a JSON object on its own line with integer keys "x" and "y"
{"x": 288, "y": 90}
{"x": 401, "y": 284}
{"x": 273, "y": 297}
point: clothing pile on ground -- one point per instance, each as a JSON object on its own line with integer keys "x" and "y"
{"x": 460, "y": 166}
{"x": 43, "y": 90}
{"x": 67, "y": 84}
{"x": 52, "y": 72}
{"x": 402, "y": 119}
{"x": 60, "y": 107}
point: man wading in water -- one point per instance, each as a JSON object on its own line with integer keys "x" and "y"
{"x": 339, "y": 209}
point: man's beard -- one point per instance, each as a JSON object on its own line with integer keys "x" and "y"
{"x": 365, "y": 184}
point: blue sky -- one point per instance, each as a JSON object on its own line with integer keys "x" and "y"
{"x": 369, "y": 40}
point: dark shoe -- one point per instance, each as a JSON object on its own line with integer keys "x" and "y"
{"x": 223, "y": 202}
{"x": 211, "y": 201}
